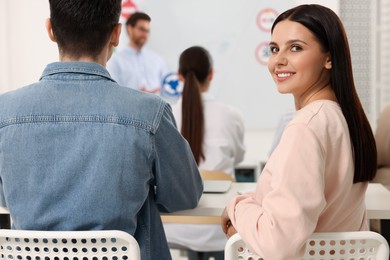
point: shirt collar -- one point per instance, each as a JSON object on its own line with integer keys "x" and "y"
{"x": 76, "y": 67}
{"x": 134, "y": 51}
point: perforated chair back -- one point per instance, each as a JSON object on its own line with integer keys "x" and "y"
{"x": 68, "y": 245}
{"x": 325, "y": 246}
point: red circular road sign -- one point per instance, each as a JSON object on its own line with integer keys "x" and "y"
{"x": 265, "y": 19}
{"x": 128, "y": 7}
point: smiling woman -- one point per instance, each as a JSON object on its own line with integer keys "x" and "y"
{"x": 316, "y": 178}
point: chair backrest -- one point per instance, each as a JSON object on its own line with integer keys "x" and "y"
{"x": 68, "y": 245}
{"x": 216, "y": 175}
{"x": 335, "y": 245}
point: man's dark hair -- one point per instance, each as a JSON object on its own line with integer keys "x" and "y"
{"x": 83, "y": 27}
{"x": 133, "y": 19}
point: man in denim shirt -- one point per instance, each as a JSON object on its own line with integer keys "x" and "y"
{"x": 80, "y": 152}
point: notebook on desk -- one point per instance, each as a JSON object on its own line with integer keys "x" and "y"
{"x": 213, "y": 186}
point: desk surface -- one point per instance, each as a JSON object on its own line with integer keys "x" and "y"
{"x": 211, "y": 206}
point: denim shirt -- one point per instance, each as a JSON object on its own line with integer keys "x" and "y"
{"x": 79, "y": 152}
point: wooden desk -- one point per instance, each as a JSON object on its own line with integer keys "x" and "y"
{"x": 211, "y": 205}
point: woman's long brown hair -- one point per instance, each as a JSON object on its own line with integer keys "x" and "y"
{"x": 330, "y": 33}
{"x": 194, "y": 65}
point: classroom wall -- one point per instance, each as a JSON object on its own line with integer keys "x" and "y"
{"x": 229, "y": 30}
{"x": 24, "y": 42}
{"x": 238, "y": 43}
{"x": 26, "y": 49}
{"x": 3, "y": 46}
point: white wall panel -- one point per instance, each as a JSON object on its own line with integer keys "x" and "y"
{"x": 384, "y": 51}
{"x": 357, "y": 17}
{"x": 3, "y": 46}
{"x": 28, "y": 47}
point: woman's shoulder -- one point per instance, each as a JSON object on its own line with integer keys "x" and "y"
{"x": 322, "y": 118}
{"x": 319, "y": 111}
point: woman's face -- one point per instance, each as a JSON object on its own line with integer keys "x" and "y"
{"x": 297, "y": 63}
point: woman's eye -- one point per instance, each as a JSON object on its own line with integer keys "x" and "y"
{"x": 296, "y": 48}
{"x": 273, "y": 49}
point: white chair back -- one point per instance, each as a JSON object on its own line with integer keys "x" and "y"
{"x": 68, "y": 245}
{"x": 325, "y": 246}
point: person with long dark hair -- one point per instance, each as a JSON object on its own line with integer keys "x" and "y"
{"x": 215, "y": 132}
{"x": 315, "y": 180}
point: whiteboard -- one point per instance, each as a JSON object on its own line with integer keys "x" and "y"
{"x": 236, "y": 33}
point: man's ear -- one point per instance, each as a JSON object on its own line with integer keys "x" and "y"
{"x": 211, "y": 75}
{"x": 328, "y": 63}
{"x": 115, "y": 35}
{"x": 49, "y": 30}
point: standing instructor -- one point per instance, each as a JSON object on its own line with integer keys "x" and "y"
{"x": 135, "y": 66}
